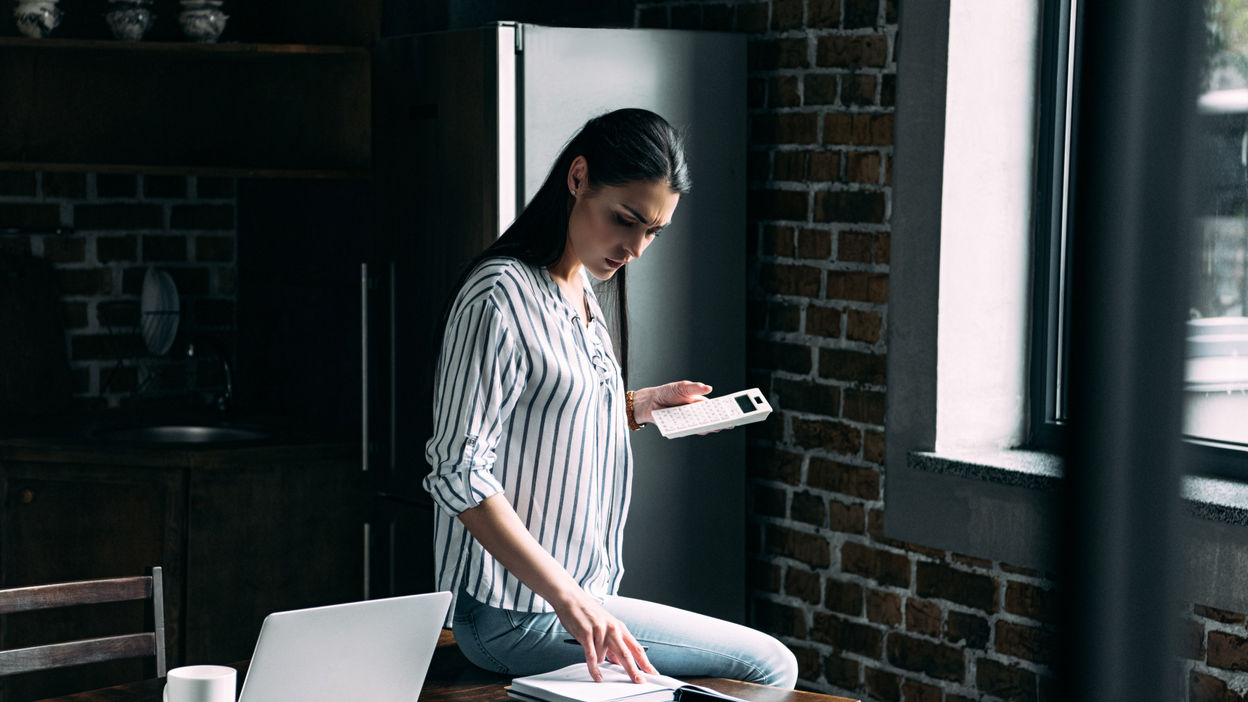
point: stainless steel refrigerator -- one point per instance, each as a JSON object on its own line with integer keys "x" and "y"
{"x": 468, "y": 124}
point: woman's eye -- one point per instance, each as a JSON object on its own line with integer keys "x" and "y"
{"x": 623, "y": 222}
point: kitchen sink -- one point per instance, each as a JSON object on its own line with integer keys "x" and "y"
{"x": 184, "y": 434}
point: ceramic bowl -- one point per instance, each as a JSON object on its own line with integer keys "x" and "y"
{"x": 38, "y": 18}
{"x": 129, "y": 22}
{"x": 203, "y": 24}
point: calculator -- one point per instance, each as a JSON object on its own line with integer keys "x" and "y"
{"x": 743, "y": 407}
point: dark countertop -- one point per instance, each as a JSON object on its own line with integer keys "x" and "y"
{"x": 83, "y": 439}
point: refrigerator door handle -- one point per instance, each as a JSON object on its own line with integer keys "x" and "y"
{"x": 364, "y": 367}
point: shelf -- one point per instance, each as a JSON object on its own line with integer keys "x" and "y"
{"x": 240, "y": 109}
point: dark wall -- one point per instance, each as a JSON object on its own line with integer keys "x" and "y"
{"x": 411, "y": 16}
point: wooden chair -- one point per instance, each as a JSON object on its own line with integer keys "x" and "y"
{"x": 84, "y": 592}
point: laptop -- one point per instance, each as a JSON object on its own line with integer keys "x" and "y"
{"x": 376, "y": 650}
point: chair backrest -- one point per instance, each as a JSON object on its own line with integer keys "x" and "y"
{"x": 84, "y": 592}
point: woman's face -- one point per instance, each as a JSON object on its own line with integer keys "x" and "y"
{"x": 613, "y": 224}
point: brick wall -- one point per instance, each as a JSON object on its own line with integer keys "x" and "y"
{"x": 121, "y": 224}
{"x": 867, "y": 616}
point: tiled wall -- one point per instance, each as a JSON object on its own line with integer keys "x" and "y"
{"x": 115, "y": 226}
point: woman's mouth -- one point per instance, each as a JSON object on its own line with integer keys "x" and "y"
{"x": 613, "y": 263}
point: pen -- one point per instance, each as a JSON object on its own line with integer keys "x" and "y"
{"x": 578, "y": 643}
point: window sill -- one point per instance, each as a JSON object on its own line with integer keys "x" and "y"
{"x": 1003, "y": 505}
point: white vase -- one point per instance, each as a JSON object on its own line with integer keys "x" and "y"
{"x": 203, "y": 24}
{"x": 37, "y": 18}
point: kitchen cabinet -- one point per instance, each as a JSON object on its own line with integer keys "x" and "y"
{"x": 292, "y": 99}
{"x": 240, "y": 531}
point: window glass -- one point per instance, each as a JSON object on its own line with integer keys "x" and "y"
{"x": 1216, "y": 378}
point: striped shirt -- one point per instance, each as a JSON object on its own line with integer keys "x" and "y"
{"x": 528, "y": 402}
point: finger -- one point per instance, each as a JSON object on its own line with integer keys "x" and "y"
{"x": 639, "y": 655}
{"x": 591, "y": 660}
{"x": 624, "y": 657}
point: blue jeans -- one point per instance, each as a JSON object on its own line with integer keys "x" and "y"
{"x": 679, "y": 643}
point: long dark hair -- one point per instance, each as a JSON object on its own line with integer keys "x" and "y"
{"x": 619, "y": 147}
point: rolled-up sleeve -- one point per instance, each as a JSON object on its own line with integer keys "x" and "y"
{"x": 479, "y": 378}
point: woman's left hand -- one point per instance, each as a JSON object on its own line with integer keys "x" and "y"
{"x": 681, "y": 392}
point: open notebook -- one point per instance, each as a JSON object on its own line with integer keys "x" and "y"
{"x": 573, "y": 684}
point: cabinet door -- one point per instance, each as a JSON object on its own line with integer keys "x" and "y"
{"x": 66, "y": 522}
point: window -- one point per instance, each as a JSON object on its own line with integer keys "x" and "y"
{"x": 1216, "y": 377}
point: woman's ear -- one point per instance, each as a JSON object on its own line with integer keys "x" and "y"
{"x": 578, "y": 175}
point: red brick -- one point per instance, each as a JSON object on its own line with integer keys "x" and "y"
{"x": 940, "y": 581}
{"x": 202, "y": 217}
{"x": 825, "y": 166}
{"x": 771, "y": 54}
{"x": 789, "y": 165}
{"x": 858, "y": 90}
{"x": 864, "y": 406}
{"x": 65, "y": 185}
{"x": 842, "y": 672}
{"x": 777, "y": 204}
{"x": 922, "y": 656}
{"x": 873, "y": 446}
{"x": 155, "y": 186}
{"x": 852, "y": 366}
{"x": 778, "y": 241}
{"x": 214, "y": 248}
{"x": 858, "y": 286}
{"x": 752, "y": 17}
{"x": 811, "y": 549}
{"x": 1031, "y": 601}
{"x": 1227, "y": 651}
{"x": 809, "y": 662}
{"x": 863, "y": 167}
{"x": 65, "y": 249}
{"x": 844, "y": 597}
{"x": 127, "y": 216}
{"x": 837, "y": 437}
{"x": 803, "y": 584}
{"x": 1008, "y": 681}
{"x": 884, "y": 567}
{"x": 856, "y": 207}
{"x": 884, "y": 608}
{"x": 191, "y": 280}
{"x": 117, "y": 248}
{"x": 852, "y": 51}
{"x": 823, "y": 14}
{"x": 882, "y": 685}
{"x": 14, "y": 245}
{"x": 865, "y": 326}
{"x": 786, "y": 14}
{"x": 1218, "y": 615}
{"x": 30, "y": 216}
{"x": 783, "y": 317}
{"x": 164, "y": 248}
{"x": 923, "y": 617}
{"x": 847, "y": 518}
{"x": 807, "y": 396}
{"x": 855, "y": 247}
{"x": 780, "y": 619}
{"x": 85, "y": 281}
{"x": 820, "y": 88}
{"x": 227, "y": 281}
{"x": 823, "y": 321}
{"x": 863, "y": 639}
{"x": 808, "y": 508}
{"x": 865, "y": 129}
{"x": 967, "y": 630}
{"x": 1192, "y": 640}
{"x": 814, "y": 244}
{"x": 793, "y": 280}
{"x": 861, "y": 13}
{"x": 888, "y": 90}
{"x": 782, "y": 92}
{"x": 775, "y": 464}
{"x": 915, "y": 691}
{"x": 824, "y": 474}
{"x": 17, "y": 184}
{"x": 785, "y": 128}
{"x": 116, "y": 185}
{"x": 1207, "y": 688}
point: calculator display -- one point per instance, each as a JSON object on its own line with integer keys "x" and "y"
{"x": 743, "y": 401}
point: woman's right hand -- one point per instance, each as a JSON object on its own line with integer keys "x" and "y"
{"x": 602, "y": 636}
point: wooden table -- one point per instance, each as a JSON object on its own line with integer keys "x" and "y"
{"x": 452, "y": 678}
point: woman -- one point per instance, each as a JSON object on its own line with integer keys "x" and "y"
{"x": 531, "y": 465}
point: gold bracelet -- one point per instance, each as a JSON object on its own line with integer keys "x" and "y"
{"x": 628, "y": 403}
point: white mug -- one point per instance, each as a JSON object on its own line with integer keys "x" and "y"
{"x": 200, "y": 683}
